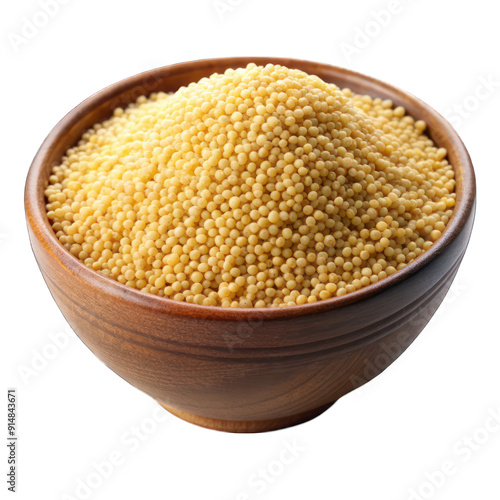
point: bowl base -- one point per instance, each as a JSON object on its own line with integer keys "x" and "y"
{"x": 247, "y": 425}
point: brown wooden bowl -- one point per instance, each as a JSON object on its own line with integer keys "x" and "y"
{"x": 246, "y": 370}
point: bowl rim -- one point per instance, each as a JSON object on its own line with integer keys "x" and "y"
{"x": 39, "y": 224}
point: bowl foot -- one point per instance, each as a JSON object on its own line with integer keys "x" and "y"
{"x": 247, "y": 425}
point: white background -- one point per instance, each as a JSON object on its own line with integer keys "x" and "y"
{"x": 380, "y": 442}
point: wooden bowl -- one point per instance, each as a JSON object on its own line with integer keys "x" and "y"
{"x": 246, "y": 370}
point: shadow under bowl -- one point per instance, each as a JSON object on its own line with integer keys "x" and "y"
{"x": 246, "y": 370}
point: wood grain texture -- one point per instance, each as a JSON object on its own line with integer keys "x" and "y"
{"x": 246, "y": 370}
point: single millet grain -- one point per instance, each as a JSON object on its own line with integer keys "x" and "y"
{"x": 259, "y": 187}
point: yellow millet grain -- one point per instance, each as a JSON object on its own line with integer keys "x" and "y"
{"x": 259, "y": 187}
